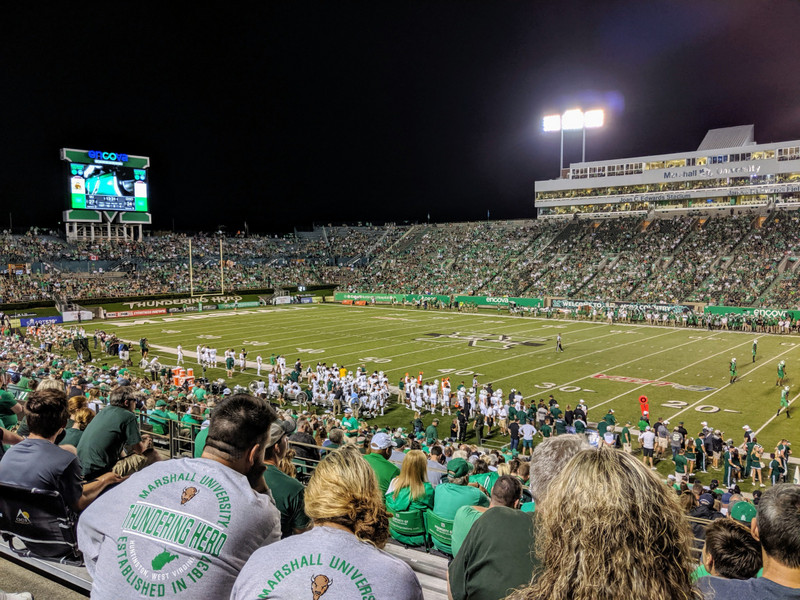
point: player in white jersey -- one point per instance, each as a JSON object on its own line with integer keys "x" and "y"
{"x": 446, "y": 397}
{"x": 180, "y": 355}
{"x": 272, "y": 380}
{"x": 212, "y": 357}
{"x": 199, "y": 354}
{"x": 259, "y": 363}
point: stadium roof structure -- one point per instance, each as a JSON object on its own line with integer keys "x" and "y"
{"x": 728, "y": 137}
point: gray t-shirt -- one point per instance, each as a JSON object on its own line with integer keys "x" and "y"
{"x": 717, "y": 588}
{"x": 181, "y": 528}
{"x": 36, "y": 463}
{"x": 326, "y": 563}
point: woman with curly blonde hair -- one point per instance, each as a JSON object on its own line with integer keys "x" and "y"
{"x": 609, "y": 529}
{"x": 341, "y": 552}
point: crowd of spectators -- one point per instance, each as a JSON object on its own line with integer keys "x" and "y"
{"x": 737, "y": 260}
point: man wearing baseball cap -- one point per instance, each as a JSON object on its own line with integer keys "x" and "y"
{"x": 457, "y": 491}
{"x": 380, "y": 450}
{"x": 288, "y": 493}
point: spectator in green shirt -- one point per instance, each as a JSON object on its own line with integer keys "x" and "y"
{"x": 288, "y": 493}
{"x": 431, "y": 433}
{"x": 681, "y": 464}
{"x": 378, "y": 458}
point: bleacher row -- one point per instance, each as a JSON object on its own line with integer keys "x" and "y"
{"x": 746, "y": 259}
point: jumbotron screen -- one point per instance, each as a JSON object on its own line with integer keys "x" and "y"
{"x": 112, "y": 181}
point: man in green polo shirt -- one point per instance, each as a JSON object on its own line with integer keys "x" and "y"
{"x": 350, "y": 424}
{"x": 431, "y": 433}
{"x": 546, "y": 430}
{"x": 625, "y": 438}
{"x": 680, "y": 465}
{"x": 289, "y": 494}
{"x": 378, "y": 458}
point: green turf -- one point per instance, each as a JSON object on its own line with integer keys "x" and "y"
{"x": 511, "y": 352}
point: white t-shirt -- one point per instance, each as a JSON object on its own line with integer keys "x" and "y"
{"x": 528, "y": 431}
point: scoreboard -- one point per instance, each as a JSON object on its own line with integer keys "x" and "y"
{"x": 102, "y": 180}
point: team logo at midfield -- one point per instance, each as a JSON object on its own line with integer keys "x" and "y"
{"x": 320, "y": 585}
{"x": 654, "y": 382}
{"x": 493, "y": 341}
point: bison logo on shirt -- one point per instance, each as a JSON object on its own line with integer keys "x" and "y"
{"x": 188, "y": 493}
{"x": 320, "y": 585}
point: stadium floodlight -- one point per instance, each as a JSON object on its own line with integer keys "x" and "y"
{"x": 593, "y": 119}
{"x": 551, "y": 123}
{"x": 572, "y": 120}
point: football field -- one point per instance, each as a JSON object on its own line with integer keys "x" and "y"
{"x": 682, "y": 372}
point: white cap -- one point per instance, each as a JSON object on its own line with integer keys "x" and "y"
{"x": 745, "y": 427}
{"x": 704, "y": 423}
{"x": 647, "y": 428}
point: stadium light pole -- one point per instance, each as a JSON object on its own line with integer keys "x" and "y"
{"x": 572, "y": 120}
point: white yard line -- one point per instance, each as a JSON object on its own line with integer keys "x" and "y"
{"x": 773, "y": 417}
{"x": 547, "y": 366}
{"x": 704, "y": 398}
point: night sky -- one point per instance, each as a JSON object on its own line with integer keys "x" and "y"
{"x": 286, "y": 113}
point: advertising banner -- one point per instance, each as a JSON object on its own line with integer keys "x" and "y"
{"x": 42, "y": 320}
{"x": 136, "y": 313}
{"x": 378, "y": 298}
{"x": 282, "y": 300}
{"x": 635, "y": 306}
{"x": 72, "y": 315}
{"x": 501, "y": 301}
{"x": 766, "y": 313}
{"x": 240, "y": 305}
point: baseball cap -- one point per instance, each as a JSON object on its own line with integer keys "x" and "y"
{"x": 381, "y": 441}
{"x": 706, "y": 499}
{"x": 277, "y": 430}
{"x": 458, "y": 467}
{"x": 348, "y": 410}
{"x": 744, "y": 512}
{"x": 161, "y": 403}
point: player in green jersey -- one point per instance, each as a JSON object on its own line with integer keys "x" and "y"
{"x": 784, "y": 402}
{"x": 734, "y": 373}
{"x": 781, "y": 373}
{"x": 755, "y": 349}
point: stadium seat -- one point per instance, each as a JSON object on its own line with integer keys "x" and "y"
{"x": 441, "y": 532}
{"x": 41, "y": 520}
{"x": 409, "y": 523}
